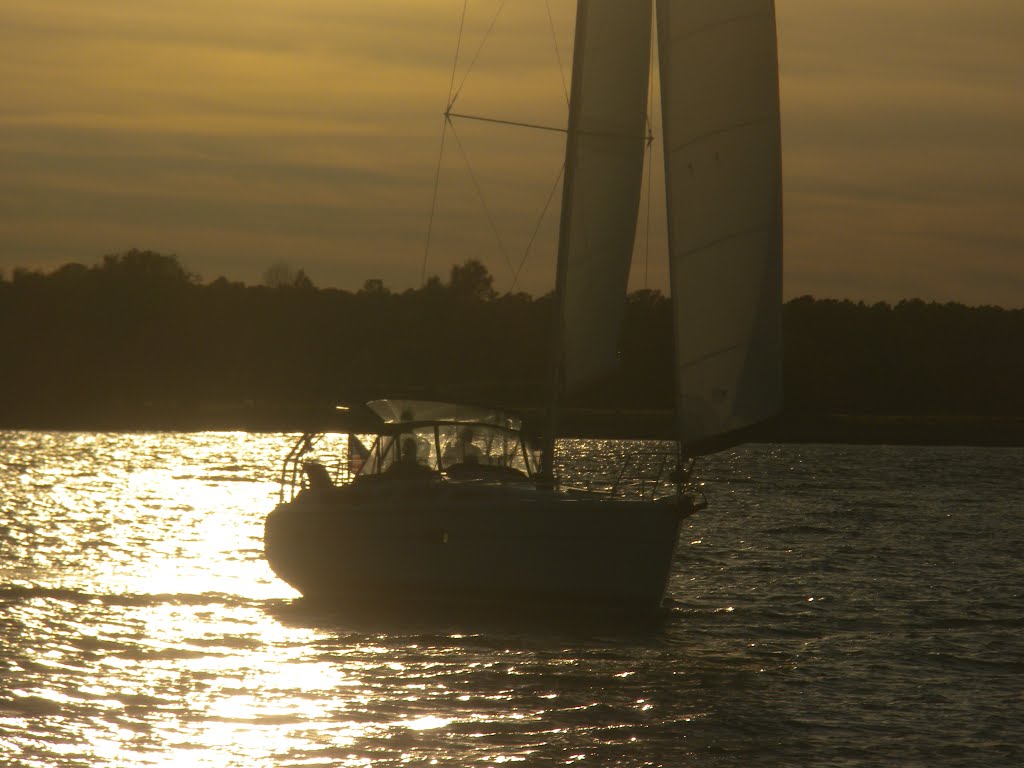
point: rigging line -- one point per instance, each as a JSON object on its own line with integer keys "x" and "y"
{"x": 458, "y": 50}
{"x": 433, "y": 203}
{"x": 483, "y": 201}
{"x": 647, "y": 239}
{"x": 476, "y": 56}
{"x": 513, "y": 123}
{"x": 646, "y": 138}
{"x": 440, "y": 154}
{"x": 536, "y": 229}
{"x": 650, "y": 158}
{"x": 558, "y": 52}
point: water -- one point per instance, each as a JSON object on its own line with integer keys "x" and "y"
{"x": 835, "y": 606}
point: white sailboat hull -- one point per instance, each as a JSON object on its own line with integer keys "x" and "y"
{"x": 482, "y": 545}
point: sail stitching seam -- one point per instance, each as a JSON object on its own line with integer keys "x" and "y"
{"x": 731, "y": 236}
{"x": 720, "y": 23}
{"x": 710, "y": 355}
{"x": 702, "y": 137}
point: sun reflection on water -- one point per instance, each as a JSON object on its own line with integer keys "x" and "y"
{"x": 148, "y": 629}
{"x": 141, "y": 626}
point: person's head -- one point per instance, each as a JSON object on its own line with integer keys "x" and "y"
{"x": 409, "y": 449}
{"x": 465, "y": 435}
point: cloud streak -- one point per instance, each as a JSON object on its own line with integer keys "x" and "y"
{"x": 239, "y": 134}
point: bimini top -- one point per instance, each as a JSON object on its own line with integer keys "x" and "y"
{"x": 429, "y": 411}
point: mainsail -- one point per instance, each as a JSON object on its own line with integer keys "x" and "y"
{"x": 604, "y": 170}
{"x": 723, "y": 168}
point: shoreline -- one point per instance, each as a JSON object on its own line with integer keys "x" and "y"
{"x": 945, "y": 430}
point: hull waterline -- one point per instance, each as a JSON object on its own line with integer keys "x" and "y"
{"x": 476, "y": 547}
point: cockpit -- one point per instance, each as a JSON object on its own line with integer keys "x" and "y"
{"x": 412, "y": 439}
{"x": 445, "y": 438}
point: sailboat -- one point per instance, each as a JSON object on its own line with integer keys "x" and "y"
{"x": 448, "y": 503}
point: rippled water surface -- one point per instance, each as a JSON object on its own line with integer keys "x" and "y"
{"x": 835, "y": 606}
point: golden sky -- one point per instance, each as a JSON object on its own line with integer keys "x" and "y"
{"x": 239, "y": 134}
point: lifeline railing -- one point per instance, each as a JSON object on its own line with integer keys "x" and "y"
{"x": 642, "y": 473}
{"x": 293, "y": 478}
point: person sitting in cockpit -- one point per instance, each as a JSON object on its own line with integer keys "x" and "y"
{"x": 409, "y": 461}
{"x": 463, "y": 450}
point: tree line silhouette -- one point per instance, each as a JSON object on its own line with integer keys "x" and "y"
{"x": 137, "y": 331}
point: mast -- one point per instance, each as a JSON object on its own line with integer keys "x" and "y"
{"x": 556, "y": 369}
{"x": 665, "y": 75}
